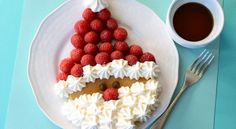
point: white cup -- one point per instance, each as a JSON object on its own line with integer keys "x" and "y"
{"x": 218, "y": 18}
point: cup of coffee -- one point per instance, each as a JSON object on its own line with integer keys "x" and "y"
{"x": 195, "y": 23}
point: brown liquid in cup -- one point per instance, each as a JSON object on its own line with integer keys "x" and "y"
{"x": 193, "y": 21}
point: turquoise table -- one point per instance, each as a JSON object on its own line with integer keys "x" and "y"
{"x": 210, "y": 105}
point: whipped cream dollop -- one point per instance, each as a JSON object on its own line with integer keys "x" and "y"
{"x": 135, "y": 71}
{"x": 118, "y": 68}
{"x": 61, "y": 89}
{"x": 75, "y": 84}
{"x": 96, "y": 5}
{"x": 89, "y": 73}
{"x": 137, "y": 103}
{"x": 103, "y": 71}
{"x": 150, "y": 70}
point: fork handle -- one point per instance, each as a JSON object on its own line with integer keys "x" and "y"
{"x": 161, "y": 121}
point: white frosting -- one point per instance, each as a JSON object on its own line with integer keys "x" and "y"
{"x": 124, "y": 124}
{"x": 135, "y": 103}
{"x": 137, "y": 88}
{"x": 61, "y": 89}
{"x": 89, "y": 73}
{"x": 75, "y": 84}
{"x": 134, "y": 71}
{"x": 96, "y": 5}
{"x": 118, "y": 68}
{"x": 142, "y": 112}
{"x": 123, "y": 91}
{"x": 150, "y": 70}
{"x": 103, "y": 71}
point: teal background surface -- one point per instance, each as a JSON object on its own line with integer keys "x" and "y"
{"x": 10, "y": 17}
{"x": 196, "y": 109}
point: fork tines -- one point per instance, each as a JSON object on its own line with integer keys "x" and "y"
{"x": 201, "y": 64}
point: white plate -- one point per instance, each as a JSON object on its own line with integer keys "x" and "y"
{"x": 52, "y": 43}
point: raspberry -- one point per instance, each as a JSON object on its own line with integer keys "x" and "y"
{"x": 112, "y": 24}
{"x": 91, "y": 49}
{"x": 120, "y": 34}
{"x": 82, "y": 27}
{"x": 106, "y": 47}
{"x": 77, "y": 70}
{"x": 62, "y": 76}
{"x": 106, "y": 36}
{"x": 104, "y": 14}
{"x": 110, "y": 94}
{"x": 102, "y": 58}
{"x": 66, "y": 65}
{"x": 136, "y": 50}
{"x": 88, "y": 14}
{"x": 76, "y": 55}
{"x": 91, "y": 37}
{"x": 131, "y": 59}
{"x": 78, "y": 41}
{"x": 97, "y": 25}
{"x": 147, "y": 57}
{"x": 87, "y": 60}
{"x": 122, "y": 46}
{"x": 117, "y": 55}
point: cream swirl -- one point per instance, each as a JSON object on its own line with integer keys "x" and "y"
{"x": 129, "y": 101}
{"x": 123, "y": 91}
{"x": 89, "y": 73}
{"x": 118, "y": 68}
{"x": 103, "y": 71}
{"x": 153, "y": 85}
{"x": 96, "y": 5}
{"x": 150, "y": 70}
{"x": 125, "y": 113}
{"x": 75, "y": 84}
{"x": 142, "y": 112}
{"x": 124, "y": 124}
{"x": 137, "y": 88}
{"x": 105, "y": 118}
{"x": 61, "y": 89}
{"x": 111, "y": 105}
{"x": 90, "y": 122}
{"x": 134, "y": 71}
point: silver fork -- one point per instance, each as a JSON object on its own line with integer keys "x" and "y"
{"x": 194, "y": 73}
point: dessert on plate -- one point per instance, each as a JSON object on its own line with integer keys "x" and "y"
{"x": 106, "y": 83}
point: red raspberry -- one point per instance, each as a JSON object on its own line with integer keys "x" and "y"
{"x": 97, "y": 25}
{"x": 66, "y": 65}
{"x": 120, "y": 34}
{"x": 76, "y": 55}
{"x": 112, "y": 24}
{"x": 91, "y": 49}
{"x": 82, "y": 27}
{"x": 131, "y": 59}
{"x": 87, "y": 60}
{"x": 77, "y": 70}
{"x": 106, "y": 47}
{"x": 104, "y": 14}
{"x": 88, "y": 14}
{"x": 78, "y": 41}
{"x": 110, "y": 94}
{"x": 136, "y": 50}
{"x": 147, "y": 57}
{"x": 117, "y": 55}
{"x": 122, "y": 46}
{"x": 62, "y": 76}
{"x": 91, "y": 37}
{"x": 102, "y": 58}
{"x": 106, "y": 36}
